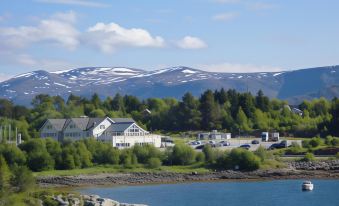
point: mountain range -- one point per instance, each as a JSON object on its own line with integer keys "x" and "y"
{"x": 293, "y": 86}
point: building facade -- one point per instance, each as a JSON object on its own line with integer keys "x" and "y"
{"x": 214, "y": 135}
{"x": 120, "y": 132}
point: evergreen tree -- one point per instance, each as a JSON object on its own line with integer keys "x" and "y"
{"x": 209, "y": 111}
{"x": 188, "y": 113}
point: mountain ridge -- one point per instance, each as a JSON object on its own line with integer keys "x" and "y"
{"x": 170, "y": 82}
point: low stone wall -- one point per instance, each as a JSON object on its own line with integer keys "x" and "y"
{"x": 315, "y": 165}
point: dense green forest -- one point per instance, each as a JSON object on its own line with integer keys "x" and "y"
{"x": 223, "y": 110}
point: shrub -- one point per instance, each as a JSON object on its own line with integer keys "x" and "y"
{"x": 200, "y": 157}
{"x": 308, "y": 157}
{"x": 263, "y": 154}
{"x": 209, "y": 153}
{"x": 337, "y": 155}
{"x": 315, "y": 142}
{"x": 22, "y": 179}
{"x": 182, "y": 155}
{"x": 153, "y": 163}
{"x": 40, "y": 161}
{"x": 243, "y": 159}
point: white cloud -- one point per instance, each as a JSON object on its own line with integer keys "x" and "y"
{"x": 228, "y": 16}
{"x": 29, "y": 62}
{"x": 237, "y": 68}
{"x": 75, "y": 2}
{"x": 56, "y": 30}
{"x": 109, "y": 37}
{"x": 190, "y": 42}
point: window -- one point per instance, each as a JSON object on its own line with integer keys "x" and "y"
{"x": 102, "y": 126}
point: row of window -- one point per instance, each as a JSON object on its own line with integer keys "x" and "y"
{"x": 73, "y": 134}
{"x": 49, "y": 135}
{"x": 123, "y": 144}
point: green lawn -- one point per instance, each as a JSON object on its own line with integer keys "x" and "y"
{"x": 119, "y": 169}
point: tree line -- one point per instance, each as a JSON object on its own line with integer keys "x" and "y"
{"x": 226, "y": 110}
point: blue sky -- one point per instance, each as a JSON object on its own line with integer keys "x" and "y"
{"x": 214, "y": 35}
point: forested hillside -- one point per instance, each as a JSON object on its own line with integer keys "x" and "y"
{"x": 223, "y": 110}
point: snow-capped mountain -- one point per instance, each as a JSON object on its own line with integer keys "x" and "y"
{"x": 169, "y": 82}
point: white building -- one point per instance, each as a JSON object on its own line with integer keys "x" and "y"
{"x": 120, "y": 132}
{"x": 214, "y": 135}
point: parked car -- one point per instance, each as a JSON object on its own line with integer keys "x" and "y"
{"x": 195, "y": 143}
{"x": 211, "y": 142}
{"x": 224, "y": 143}
{"x": 280, "y": 145}
{"x": 245, "y": 146}
{"x": 255, "y": 141}
{"x": 200, "y": 147}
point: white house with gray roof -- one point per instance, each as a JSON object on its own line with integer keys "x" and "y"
{"x": 120, "y": 132}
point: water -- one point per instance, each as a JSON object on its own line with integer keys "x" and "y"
{"x": 270, "y": 193}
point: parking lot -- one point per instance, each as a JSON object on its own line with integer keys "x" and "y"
{"x": 237, "y": 142}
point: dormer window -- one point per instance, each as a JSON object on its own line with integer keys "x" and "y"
{"x": 102, "y": 126}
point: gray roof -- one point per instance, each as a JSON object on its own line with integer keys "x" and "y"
{"x": 123, "y": 120}
{"x": 119, "y": 127}
{"x": 84, "y": 123}
{"x": 58, "y": 124}
{"x": 94, "y": 121}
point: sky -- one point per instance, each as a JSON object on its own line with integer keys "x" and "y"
{"x": 213, "y": 35}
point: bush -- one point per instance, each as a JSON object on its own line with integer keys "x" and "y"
{"x": 337, "y": 155}
{"x": 153, "y": 163}
{"x": 13, "y": 155}
{"x": 22, "y": 179}
{"x": 309, "y": 157}
{"x": 200, "y": 157}
{"x": 332, "y": 141}
{"x": 144, "y": 153}
{"x": 263, "y": 154}
{"x": 315, "y": 142}
{"x": 209, "y": 153}
{"x": 182, "y": 155}
{"x": 295, "y": 149}
{"x": 243, "y": 159}
{"x": 312, "y": 143}
{"x": 40, "y": 161}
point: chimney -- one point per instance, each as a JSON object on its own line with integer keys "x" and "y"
{"x": 18, "y": 140}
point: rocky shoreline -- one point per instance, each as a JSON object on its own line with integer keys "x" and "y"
{"x": 87, "y": 200}
{"x": 295, "y": 170}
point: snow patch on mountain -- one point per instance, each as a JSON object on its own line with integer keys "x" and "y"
{"x": 187, "y": 71}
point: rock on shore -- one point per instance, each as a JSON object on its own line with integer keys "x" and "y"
{"x": 315, "y": 165}
{"x": 87, "y": 200}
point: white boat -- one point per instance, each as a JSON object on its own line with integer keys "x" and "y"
{"x": 307, "y": 186}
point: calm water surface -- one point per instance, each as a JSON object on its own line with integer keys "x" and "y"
{"x": 270, "y": 193}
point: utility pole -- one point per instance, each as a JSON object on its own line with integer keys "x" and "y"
{"x": 9, "y": 133}
{"x": 16, "y": 135}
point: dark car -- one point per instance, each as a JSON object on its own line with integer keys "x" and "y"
{"x": 245, "y": 146}
{"x": 200, "y": 147}
{"x": 255, "y": 141}
{"x": 278, "y": 145}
